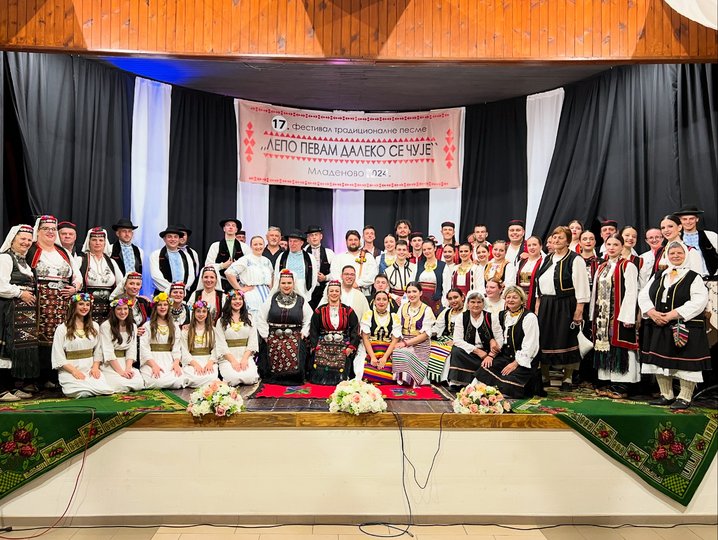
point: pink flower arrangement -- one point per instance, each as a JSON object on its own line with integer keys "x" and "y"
{"x": 215, "y": 397}
{"x": 356, "y": 397}
{"x": 481, "y": 399}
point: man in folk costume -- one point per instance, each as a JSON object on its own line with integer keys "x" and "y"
{"x": 223, "y": 253}
{"x": 57, "y": 280}
{"x": 323, "y": 258}
{"x": 448, "y": 236}
{"x": 609, "y": 227}
{"x": 184, "y": 246}
{"x": 516, "y": 247}
{"x": 273, "y": 249}
{"x": 481, "y": 235}
{"x": 705, "y": 242}
{"x": 67, "y": 233}
{"x": 127, "y": 255}
{"x": 170, "y": 264}
{"x": 363, "y": 262}
{"x": 302, "y": 265}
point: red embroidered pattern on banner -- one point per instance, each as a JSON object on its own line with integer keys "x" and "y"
{"x": 449, "y": 148}
{"x": 249, "y": 142}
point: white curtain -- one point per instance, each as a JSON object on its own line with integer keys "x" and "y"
{"x": 543, "y": 112}
{"x": 703, "y": 12}
{"x": 347, "y": 214}
{"x": 252, "y": 199}
{"x": 150, "y": 167}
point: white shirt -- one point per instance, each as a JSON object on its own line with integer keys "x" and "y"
{"x": 7, "y": 289}
{"x": 691, "y": 309}
{"x": 579, "y": 276}
{"x": 467, "y": 347}
{"x": 158, "y": 278}
{"x": 366, "y": 272}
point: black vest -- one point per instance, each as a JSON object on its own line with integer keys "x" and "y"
{"x": 223, "y": 254}
{"x": 484, "y": 330}
{"x": 84, "y": 265}
{"x": 166, "y": 269}
{"x": 308, "y": 265}
{"x": 379, "y": 332}
{"x": 708, "y": 252}
{"x": 293, "y": 316}
{"x": 678, "y": 294}
{"x": 562, "y": 276}
{"x": 116, "y": 256}
{"x": 17, "y": 277}
{"x": 515, "y": 339}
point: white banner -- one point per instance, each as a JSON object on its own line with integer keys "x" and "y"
{"x": 349, "y": 150}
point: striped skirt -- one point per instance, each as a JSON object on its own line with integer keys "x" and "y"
{"x": 440, "y": 351}
{"x": 373, "y": 374}
{"x": 411, "y": 364}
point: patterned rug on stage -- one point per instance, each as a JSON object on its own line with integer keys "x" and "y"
{"x": 671, "y": 450}
{"x": 316, "y": 391}
{"x": 38, "y": 435}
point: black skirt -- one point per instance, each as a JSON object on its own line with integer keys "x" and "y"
{"x": 282, "y": 359}
{"x": 515, "y": 385}
{"x": 559, "y": 341}
{"x": 659, "y": 349}
{"x": 462, "y": 366}
{"x": 18, "y": 338}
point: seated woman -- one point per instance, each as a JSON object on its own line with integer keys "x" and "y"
{"x": 198, "y": 348}
{"x": 211, "y": 292}
{"x": 411, "y": 354}
{"x": 333, "y": 340}
{"x": 613, "y": 314}
{"x": 118, "y": 338}
{"x": 237, "y": 342}
{"x": 283, "y": 324}
{"x": 443, "y": 340}
{"x": 475, "y": 333}
{"x": 513, "y": 370}
{"x": 160, "y": 352}
{"x": 76, "y": 351}
{"x": 380, "y": 332}
{"x": 675, "y": 294}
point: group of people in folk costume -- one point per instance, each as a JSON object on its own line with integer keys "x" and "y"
{"x": 289, "y": 310}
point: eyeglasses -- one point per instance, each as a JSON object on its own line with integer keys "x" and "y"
{"x": 51, "y": 229}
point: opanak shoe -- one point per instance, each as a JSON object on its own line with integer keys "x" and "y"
{"x": 7, "y": 397}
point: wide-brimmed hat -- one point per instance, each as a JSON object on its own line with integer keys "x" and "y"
{"x": 171, "y": 230}
{"x": 235, "y": 220}
{"x": 124, "y": 224}
{"x": 688, "y": 210}
{"x": 296, "y": 233}
{"x": 184, "y": 228}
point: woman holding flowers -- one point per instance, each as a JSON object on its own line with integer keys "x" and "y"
{"x": 76, "y": 351}
{"x": 160, "y": 352}
{"x": 237, "y": 342}
{"x": 198, "y": 347}
{"x": 118, "y": 338}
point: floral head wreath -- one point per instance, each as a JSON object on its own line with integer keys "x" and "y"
{"x": 200, "y": 304}
{"x": 235, "y": 292}
{"x": 122, "y": 301}
{"x": 81, "y": 297}
{"x": 160, "y": 297}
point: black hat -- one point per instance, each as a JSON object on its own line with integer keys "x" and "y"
{"x": 235, "y": 220}
{"x": 66, "y": 225}
{"x": 688, "y": 210}
{"x": 416, "y": 235}
{"x": 296, "y": 233}
{"x": 519, "y": 222}
{"x": 171, "y": 230}
{"x": 609, "y": 223}
{"x": 448, "y": 224}
{"x": 183, "y": 228}
{"x": 124, "y": 224}
{"x": 314, "y": 228}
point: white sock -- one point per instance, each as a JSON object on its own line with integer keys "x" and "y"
{"x": 687, "y": 388}
{"x": 665, "y": 384}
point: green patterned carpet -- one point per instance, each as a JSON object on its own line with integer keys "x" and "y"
{"x": 671, "y": 450}
{"x": 36, "y": 436}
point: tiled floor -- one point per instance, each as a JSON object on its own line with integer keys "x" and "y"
{"x": 343, "y": 532}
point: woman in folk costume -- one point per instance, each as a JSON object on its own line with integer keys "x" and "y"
{"x": 443, "y": 332}
{"x": 671, "y": 229}
{"x": 211, "y": 292}
{"x": 494, "y": 301}
{"x": 527, "y": 269}
{"x": 57, "y": 279}
{"x": 613, "y": 314}
{"x": 100, "y": 273}
{"x": 179, "y": 309}
{"x": 465, "y": 275}
{"x": 199, "y": 354}
{"x": 283, "y": 324}
{"x": 563, "y": 292}
{"x": 118, "y": 339}
{"x": 237, "y": 342}
{"x": 430, "y": 273}
{"x": 388, "y": 256}
{"x": 401, "y": 273}
{"x": 576, "y": 228}
{"x": 482, "y": 255}
{"x": 333, "y": 340}
{"x": 160, "y": 351}
{"x": 380, "y": 332}
{"x": 498, "y": 266}
{"x": 515, "y": 367}
{"x": 77, "y": 353}
{"x": 475, "y": 335}
{"x": 18, "y": 318}
{"x": 253, "y": 275}
{"x": 140, "y": 307}
{"x": 411, "y": 355}
{"x": 675, "y": 345}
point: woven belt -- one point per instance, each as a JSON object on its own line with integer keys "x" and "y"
{"x": 237, "y": 342}
{"x": 79, "y": 355}
{"x": 161, "y": 347}
{"x": 120, "y": 353}
{"x": 204, "y": 351}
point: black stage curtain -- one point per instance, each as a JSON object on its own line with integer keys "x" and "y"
{"x": 495, "y": 179}
{"x": 299, "y": 208}
{"x": 616, "y": 154}
{"x": 74, "y": 117}
{"x": 383, "y": 209}
{"x": 697, "y": 136}
{"x": 203, "y": 164}
{"x": 3, "y": 216}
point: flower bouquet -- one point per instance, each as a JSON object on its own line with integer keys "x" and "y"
{"x": 481, "y": 399}
{"x": 215, "y": 397}
{"x": 356, "y": 397}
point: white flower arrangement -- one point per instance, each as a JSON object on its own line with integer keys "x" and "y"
{"x": 480, "y": 399}
{"x": 356, "y": 397}
{"x": 216, "y": 397}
